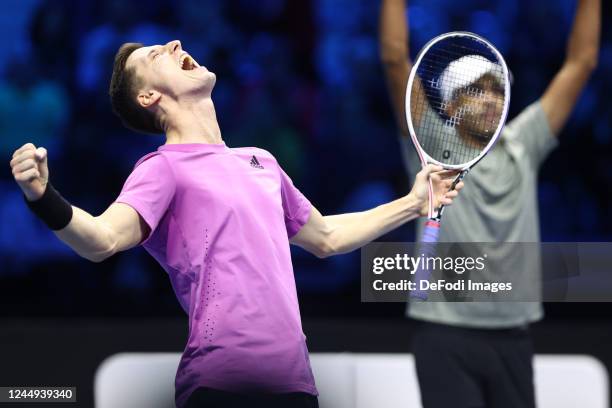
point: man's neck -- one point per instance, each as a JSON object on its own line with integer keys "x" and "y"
{"x": 194, "y": 122}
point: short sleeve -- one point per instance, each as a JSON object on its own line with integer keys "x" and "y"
{"x": 296, "y": 206}
{"x": 149, "y": 189}
{"x": 530, "y": 129}
{"x": 412, "y": 162}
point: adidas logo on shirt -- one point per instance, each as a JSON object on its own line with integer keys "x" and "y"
{"x": 255, "y": 163}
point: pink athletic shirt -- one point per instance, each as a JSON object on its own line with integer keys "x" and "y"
{"x": 221, "y": 220}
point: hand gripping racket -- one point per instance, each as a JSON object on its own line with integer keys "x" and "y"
{"x": 457, "y": 101}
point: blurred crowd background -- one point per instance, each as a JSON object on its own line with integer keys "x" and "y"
{"x": 301, "y": 79}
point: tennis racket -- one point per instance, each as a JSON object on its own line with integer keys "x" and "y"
{"x": 457, "y": 101}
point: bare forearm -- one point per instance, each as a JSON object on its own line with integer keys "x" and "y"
{"x": 393, "y": 32}
{"x": 583, "y": 44}
{"x": 95, "y": 238}
{"x": 337, "y": 234}
{"x": 87, "y": 236}
{"x": 354, "y": 230}
{"x": 394, "y": 53}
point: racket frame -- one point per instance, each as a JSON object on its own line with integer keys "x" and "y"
{"x": 426, "y": 158}
{"x": 431, "y": 229}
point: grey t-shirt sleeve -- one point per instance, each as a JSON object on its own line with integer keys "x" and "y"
{"x": 412, "y": 162}
{"x": 440, "y": 139}
{"x": 434, "y": 126}
{"x": 531, "y": 132}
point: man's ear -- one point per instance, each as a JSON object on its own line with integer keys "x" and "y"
{"x": 146, "y": 99}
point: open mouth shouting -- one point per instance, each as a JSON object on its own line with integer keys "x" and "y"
{"x": 187, "y": 63}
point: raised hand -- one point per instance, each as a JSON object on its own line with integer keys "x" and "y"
{"x": 441, "y": 181}
{"x": 30, "y": 170}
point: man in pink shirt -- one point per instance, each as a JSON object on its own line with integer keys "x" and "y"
{"x": 219, "y": 220}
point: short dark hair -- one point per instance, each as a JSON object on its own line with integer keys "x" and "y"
{"x": 123, "y": 88}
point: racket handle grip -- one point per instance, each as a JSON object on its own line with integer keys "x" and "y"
{"x": 429, "y": 241}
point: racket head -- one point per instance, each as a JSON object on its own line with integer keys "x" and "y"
{"x": 460, "y": 75}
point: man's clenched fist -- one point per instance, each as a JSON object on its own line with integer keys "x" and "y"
{"x": 29, "y": 166}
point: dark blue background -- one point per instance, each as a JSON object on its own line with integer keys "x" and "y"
{"x": 299, "y": 78}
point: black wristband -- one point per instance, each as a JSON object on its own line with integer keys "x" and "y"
{"x": 52, "y": 209}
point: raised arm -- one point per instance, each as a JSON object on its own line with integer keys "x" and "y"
{"x": 580, "y": 61}
{"x": 338, "y": 234}
{"x": 393, "y": 40}
{"x": 94, "y": 238}
{"x": 97, "y": 238}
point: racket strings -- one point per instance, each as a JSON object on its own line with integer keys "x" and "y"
{"x": 462, "y": 102}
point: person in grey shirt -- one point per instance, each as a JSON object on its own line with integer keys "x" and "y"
{"x": 478, "y": 354}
